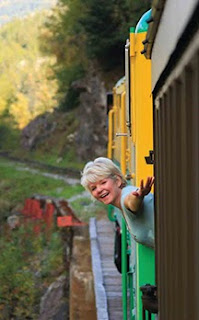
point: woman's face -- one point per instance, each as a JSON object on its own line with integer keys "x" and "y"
{"x": 107, "y": 190}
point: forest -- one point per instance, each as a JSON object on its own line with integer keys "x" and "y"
{"x": 40, "y": 56}
{"x": 90, "y": 32}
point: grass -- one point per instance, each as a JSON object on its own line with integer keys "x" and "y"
{"x": 53, "y": 158}
{"x": 17, "y": 185}
{"x": 64, "y": 161}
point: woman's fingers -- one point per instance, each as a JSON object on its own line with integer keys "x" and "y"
{"x": 141, "y": 184}
{"x": 144, "y": 188}
{"x": 149, "y": 182}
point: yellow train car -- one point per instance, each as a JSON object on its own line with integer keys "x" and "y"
{"x": 130, "y": 145}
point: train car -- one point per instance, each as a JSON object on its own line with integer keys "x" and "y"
{"x": 172, "y": 46}
{"x": 131, "y": 146}
{"x": 154, "y": 122}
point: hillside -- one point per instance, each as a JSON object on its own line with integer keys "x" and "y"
{"x": 10, "y": 9}
{"x": 54, "y": 65}
{"x": 27, "y": 89}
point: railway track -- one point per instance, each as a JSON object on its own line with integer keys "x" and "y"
{"x": 36, "y": 164}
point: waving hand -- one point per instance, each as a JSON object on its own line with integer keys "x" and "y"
{"x": 144, "y": 188}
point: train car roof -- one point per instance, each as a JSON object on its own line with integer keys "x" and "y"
{"x": 142, "y": 25}
{"x": 181, "y": 17}
{"x": 153, "y": 23}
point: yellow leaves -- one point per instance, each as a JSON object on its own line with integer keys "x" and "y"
{"x": 2, "y": 105}
{"x": 19, "y": 110}
{"x": 38, "y": 97}
{"x": 25, "y": 88}
{"x": 6, "y": 86}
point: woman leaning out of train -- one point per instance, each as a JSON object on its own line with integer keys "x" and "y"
{"x": 106, "y": 183}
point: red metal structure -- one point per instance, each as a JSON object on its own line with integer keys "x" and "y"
{"x": 42, "y": 210}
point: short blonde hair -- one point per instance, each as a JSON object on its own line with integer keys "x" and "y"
{"x": 100, "y": 168}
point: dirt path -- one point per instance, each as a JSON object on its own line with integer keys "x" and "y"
{"x": 65, "y": 178}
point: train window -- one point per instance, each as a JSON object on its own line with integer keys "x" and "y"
{"x": 109, "y": 101}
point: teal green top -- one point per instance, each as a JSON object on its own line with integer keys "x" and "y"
{"x": 141, "y": 224}
{"x": 132, "y": 29}
{"x": 142, "y": 25}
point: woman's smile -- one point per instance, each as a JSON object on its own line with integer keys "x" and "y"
{"x": 106, "y": 191}
{"x": 104, "y": 194}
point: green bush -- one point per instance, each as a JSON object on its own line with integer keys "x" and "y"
{"x": 17, "y": 290}
{"x": 9, "y": 137}
{"x": 26, "y": 259}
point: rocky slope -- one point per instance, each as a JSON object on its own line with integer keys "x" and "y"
{"x": 83, "y": 129}
{"x": 91, "y": 135}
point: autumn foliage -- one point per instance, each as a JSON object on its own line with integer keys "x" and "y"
{"x": 27, "y": 87}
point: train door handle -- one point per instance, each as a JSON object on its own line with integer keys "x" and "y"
{"x": 150, "y": 158}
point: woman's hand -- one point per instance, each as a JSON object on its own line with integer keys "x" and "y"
{"x": 133, "y": 200}
{"x": 144, "y": 189}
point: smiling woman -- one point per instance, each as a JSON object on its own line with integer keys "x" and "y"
{"x": 107, "y": 191}
{"x": 104, "y": 180}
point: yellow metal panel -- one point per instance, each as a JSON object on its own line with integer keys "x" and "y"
{"x": 123, "y": 131}
{"x": 141, "y": 108}
{"x": 132, "y": 84}
{"x": 118, "y": 123}
{"x": 110, "y": 133}
{"x": 132, "y": 44}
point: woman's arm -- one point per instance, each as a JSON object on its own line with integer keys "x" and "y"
{"x": 133, "y": 200}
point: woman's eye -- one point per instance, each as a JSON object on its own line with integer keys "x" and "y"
{"x": 93, "y": 188}
{"x": 104, "y": 181}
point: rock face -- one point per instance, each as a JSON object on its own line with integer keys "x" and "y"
{"x": 91, "y": 138}
{"x": 37, "y": 131}
{"x": 53, "y": 304}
